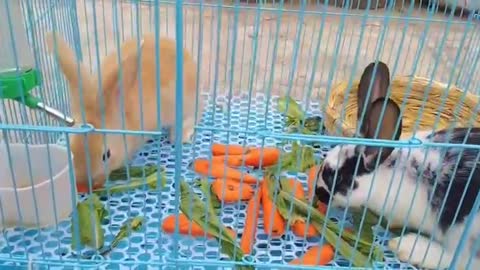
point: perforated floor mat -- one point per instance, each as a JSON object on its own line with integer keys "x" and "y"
{"x": 151, "y": 245}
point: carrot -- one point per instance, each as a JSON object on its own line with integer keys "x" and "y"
{"x": 297, "y": 188}
{"x": 271, "y": 217}
{"x": 251, "y": 221}
{"x": 322, "y": 208}
{"x": 267, "y": 157}
{"x": 229, "y": 191}
{"x": 83, "y": 188}
{"x": 312, "y": 179}
{"x": 299, "y": 227}
{"x": 233, "y": 149}
{"x": 230, "y": 159}
{"x": 218, "y": 170}
{"x": 185, "y": 225}
{"x": 316, "y": 255}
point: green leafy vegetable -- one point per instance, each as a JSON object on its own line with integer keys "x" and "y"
{"x": 293, "y": 111}
{"x": 213, "y": 201}
{"x": 150, "y": 181}
{"x": 295, "y": 117}
{"x": 193, "y": 207}
{"x": 370, "y": 220}
{"x": 130, "y": 225}
{"x": 303, "y": 153}
{"x": 292, "y": 208}
{"x": 135, "y": 172}
{"x": 312, "y": 124}
{"x": 300, "y": 159}
{"x": 89, "y": 223}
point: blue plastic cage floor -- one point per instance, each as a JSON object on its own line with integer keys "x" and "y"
{"x": 151, "y": 245}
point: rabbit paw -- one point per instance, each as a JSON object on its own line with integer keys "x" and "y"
{"x": 419, "y": 251}
{"x": 187, "y": 135}
{"x": 188, "y": 130}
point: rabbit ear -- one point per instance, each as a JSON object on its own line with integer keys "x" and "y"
{"x": 386, "y": 124}
{"x": 376, "y": 74}
{"x": 79, "y": 79}
{"x": 128, "y": 67}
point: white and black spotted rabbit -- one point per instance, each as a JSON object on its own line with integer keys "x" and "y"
{"x": 435, "y": 199}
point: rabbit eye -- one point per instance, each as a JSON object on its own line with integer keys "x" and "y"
{"x": 106, "y": 155}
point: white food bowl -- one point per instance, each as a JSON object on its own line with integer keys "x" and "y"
{"x": 34, "y": 206}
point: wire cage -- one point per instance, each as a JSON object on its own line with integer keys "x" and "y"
{"x": 248, "y": 56}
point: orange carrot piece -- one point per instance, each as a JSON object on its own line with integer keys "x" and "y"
{"x": 322, "y": 208}
{"x": 300, "y": 229}
{"x": 185, "y": 225}
{"x": 315, "y": 256}
{"x": 267, "y": 156}
{"x": 83, "y": 188}
{"x": 229, "y": 191}
{"x": 251, "y": 222}
{"x": 297, "y": 187}
{"x": 272, "y": 220}
{"x": 233, "y": 149}
{"x": 312, "y": 180}
{"x": 229, "y": 160}
{"x": 219, "y": 170}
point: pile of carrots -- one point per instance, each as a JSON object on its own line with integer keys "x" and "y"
{"x": 230, "y": 185}
{"x": 235, "y": 156}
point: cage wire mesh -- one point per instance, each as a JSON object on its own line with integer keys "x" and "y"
{"x": 22, "y": 46}
{"x": 249, "y": 55}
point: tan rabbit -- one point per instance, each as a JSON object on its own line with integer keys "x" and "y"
{"x": 113, "y": 154}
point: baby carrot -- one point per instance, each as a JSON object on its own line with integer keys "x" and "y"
{"x": 233, "y": 149}
{"x": 231, "y": 160}
{"x": 316, "y": 255}
{"x": 251, "y": 221}
{"x": 312, "y": 180}
{"x": 185, "y": 225}
{"x": 229, "y": 191}
{"x": 219, "y": 170}
{"x": 299, "y": 228}
{"x": 83, "y": 188}
{"x": 267, "y": 156}
{"x": 272, "y": 220}
{"x": 298, "y": 191}
{"x": 322, "y": 208}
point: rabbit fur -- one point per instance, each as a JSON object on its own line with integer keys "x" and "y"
{"x": 139, "y": 73}
{"x": 435, "y": 195}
